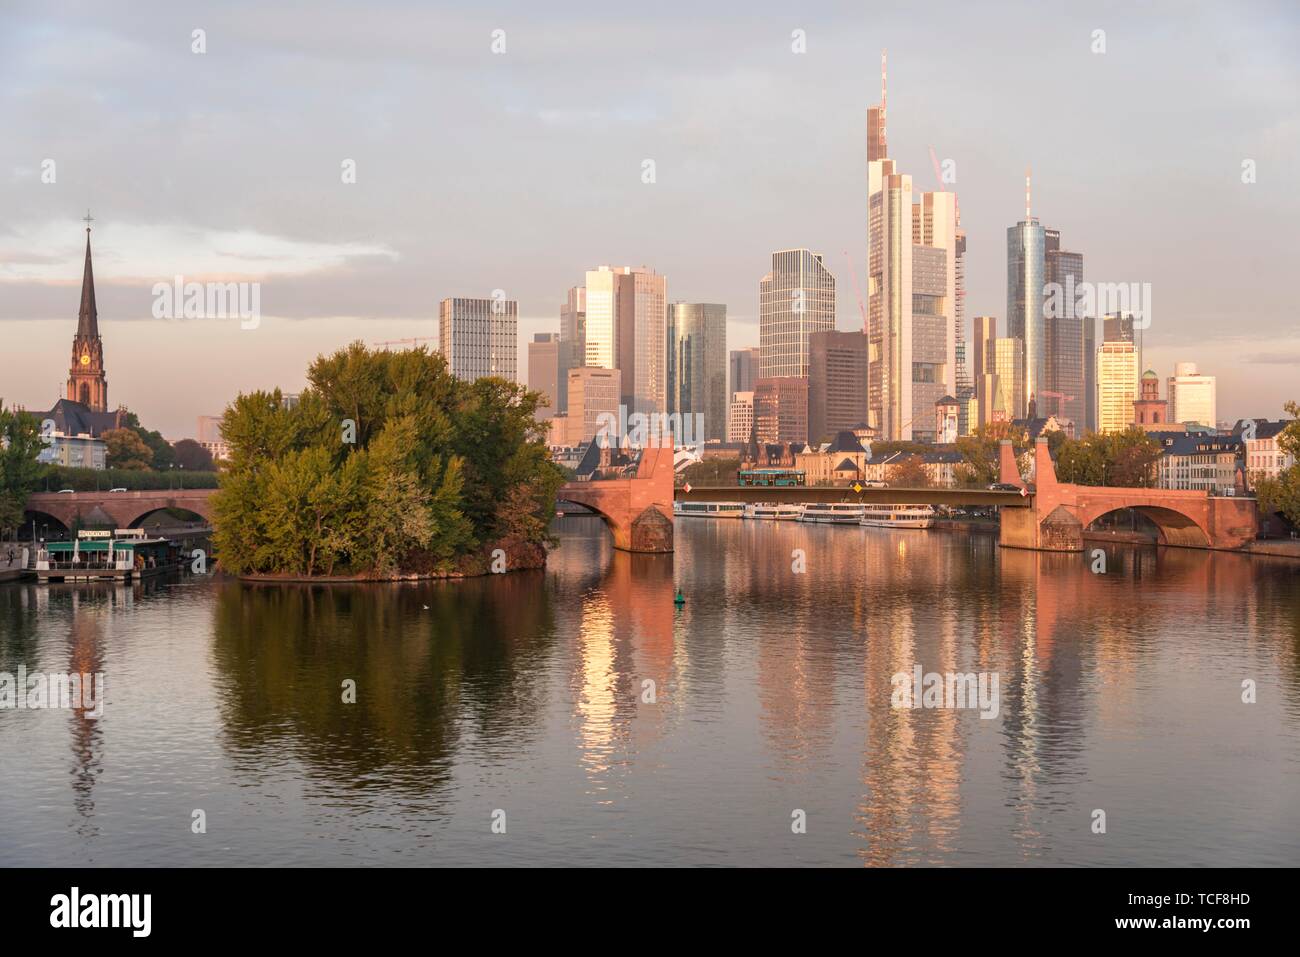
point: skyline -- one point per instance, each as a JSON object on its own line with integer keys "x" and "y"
{"x": 371, "y": 260}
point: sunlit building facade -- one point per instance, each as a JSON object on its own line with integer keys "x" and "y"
{"x": 795, "y": 299}
{"x": 1116, "y": 385}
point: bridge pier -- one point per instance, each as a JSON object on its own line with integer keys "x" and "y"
{"x": 637, "y": 509}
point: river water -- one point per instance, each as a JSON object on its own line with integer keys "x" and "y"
{"x": 583, "y": 713}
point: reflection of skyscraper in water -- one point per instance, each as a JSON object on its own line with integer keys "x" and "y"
{"x": 625, "y": 638}
{"x": 913, "y": 758}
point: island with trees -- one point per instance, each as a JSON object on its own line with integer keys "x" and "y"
{"x": 386, "y": 467}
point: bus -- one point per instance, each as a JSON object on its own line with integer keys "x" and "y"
{"x": 770, "y": 478}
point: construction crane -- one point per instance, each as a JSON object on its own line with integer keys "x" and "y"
{"x": 393, "y": 342}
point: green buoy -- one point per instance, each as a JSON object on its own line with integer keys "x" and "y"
{"x": 680, "y": 599}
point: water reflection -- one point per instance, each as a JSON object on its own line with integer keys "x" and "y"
{"x": 619, "y": 727}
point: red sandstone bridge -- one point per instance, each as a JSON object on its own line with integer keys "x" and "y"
{"x": 1049, "y": 516}
{"x": 118, "y": 509}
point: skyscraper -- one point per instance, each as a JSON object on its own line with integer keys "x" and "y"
{"x": 1116, "y": 385}
{"x": 543, "y": 371}
{"x": 1026, "y": 251}
{"x": 1007, "y": 384}
{"x": 1063, "y": 393}
{"x": 1192, "y": 396}
{"x": 627, "y": 329}
{"x": 697, "y": 377}
{"x": 912, "y": 285}
{"x": 1090, "y": 374}
{"x": 983, "y": 331}
{"x": 573, "y": 340}
{"x": 781, "y": 409}
{"x": 477, "y": 337}
{"x": 837, "y": 378}
{"x": 795, "y": 299}
{"x": 87, "y": 381}
{"x": 740, "y": 416}
{"x": 592, "y": 392}
{"x": 744, "y": 369}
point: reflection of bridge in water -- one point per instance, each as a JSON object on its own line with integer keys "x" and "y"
{"x": 1047, "y": 516}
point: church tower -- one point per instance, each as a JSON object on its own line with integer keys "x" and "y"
{"x": 86, "y": 381}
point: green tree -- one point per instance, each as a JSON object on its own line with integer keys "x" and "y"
{"x": 1122, "y": 459}
{"x": 20, "y": 445}
{"x": 126, "y": 450}
{"x": 386, "y": 465}
{"x": 192, "y": 457}
{"x": 1281, "y": 495}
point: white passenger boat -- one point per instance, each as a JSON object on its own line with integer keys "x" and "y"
{"x": 708, "y": 509}
{"x": 774, "y": 513}
{"x": 898, "y": 516}
{"x": 832, "y": 513}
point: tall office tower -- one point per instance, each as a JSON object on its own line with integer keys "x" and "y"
{"x": 740, "y": 416}
{"x": 965, "y": 389}
{"x": 627, "y": 329}
{"x": 1026, "y": 243}
{"x": 795, "y": 299}
{"x": 1192, "y": 396}
{"x": 781, "y": 409}
{"x": 573, "y": 340}
{"x": 1116, "y": 385}
{"x": 544, "y": 371}
{"x": 1122, "y": 328}
{"x": 1064, "y": 334}
{"x": 1089, "y": 374}
{"x": 697, "y": 377}
{"x": 912, "y": 252}
{"x": 477, "y": 337}
{"x": 743, "y": 372}
{"x": 1007, "y": 385}
{"x": 592, "y": 392}
{"x": 837, "y": 383}
{"x": 983, "y": 331}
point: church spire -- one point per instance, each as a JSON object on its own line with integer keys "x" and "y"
{"x": 88, "y": 317}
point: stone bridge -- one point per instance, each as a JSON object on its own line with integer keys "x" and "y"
{"x": 1060, "y": 513}
{"x": 118, "y": 509}
{"x": 638, "y": 509}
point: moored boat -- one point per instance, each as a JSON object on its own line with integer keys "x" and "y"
{"x": 832, "y": 513}
{"x": 121, "y": 555}
{"x": 708, "y": 509}
{"x": 898, "y": 516}
{"x": 774, "y": 512}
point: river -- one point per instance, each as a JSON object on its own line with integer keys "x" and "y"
{"x": 578, "y": 716}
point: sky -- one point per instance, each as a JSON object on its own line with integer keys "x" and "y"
{"x": 518, "y": 170}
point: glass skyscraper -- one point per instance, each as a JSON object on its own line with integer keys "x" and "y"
{"x": 697, "y": 372}
{"x": 1026, "y": 275}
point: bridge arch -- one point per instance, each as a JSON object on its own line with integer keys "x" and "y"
{"x": 1175, "y": 527}
{"x": 54, "y": 524}
{"x": 191, "y": 514}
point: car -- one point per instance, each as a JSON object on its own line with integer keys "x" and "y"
{"x": 67, "y": 491}
{"x": 117, "y": 490}
{"x": 1004, "y": 487}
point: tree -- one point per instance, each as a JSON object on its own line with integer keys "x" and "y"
{"x": 1281, "y": 495}
{"x": 192, "y": 456}
{"x": 163, "y": 455}
{"x": 20, "y": 445}
{"x": 126, "y": 450}
{"x": 909, "y": 473}
{"x": 386, "y": 465}
{"x": 1123, "y": 459}
{"x": 712, "y": 472}
{"x": 980, "y": 465}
